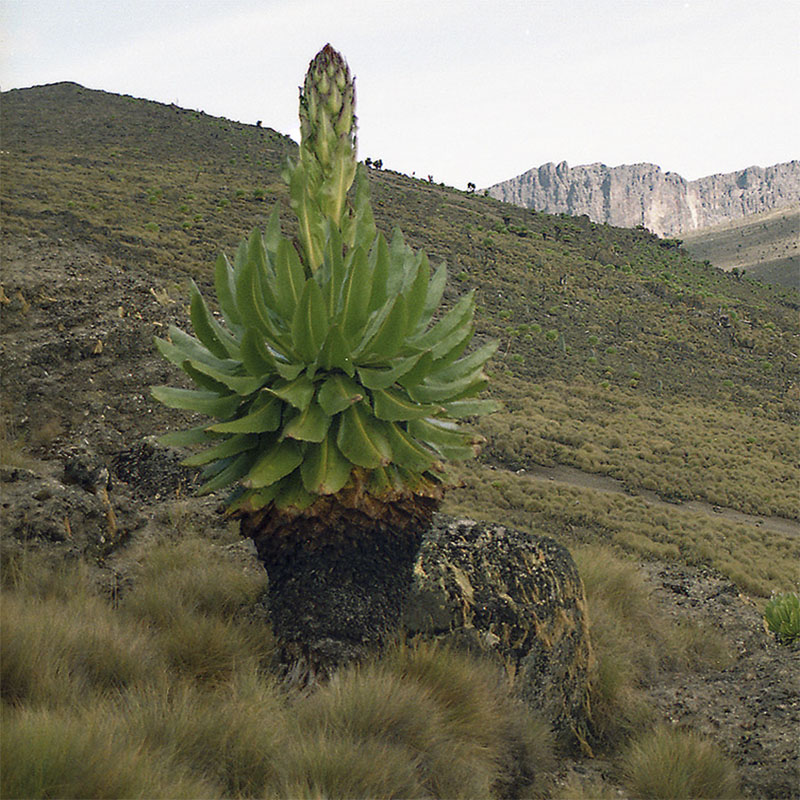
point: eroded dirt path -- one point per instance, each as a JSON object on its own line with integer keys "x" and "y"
{"x": 602, "y": 483}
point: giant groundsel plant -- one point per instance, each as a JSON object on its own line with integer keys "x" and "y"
{"x": 330, "y": 370}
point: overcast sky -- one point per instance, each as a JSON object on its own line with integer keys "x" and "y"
{"x": 464, "y": 90}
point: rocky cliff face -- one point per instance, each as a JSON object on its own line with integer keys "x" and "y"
{"x": 641, "y": 194}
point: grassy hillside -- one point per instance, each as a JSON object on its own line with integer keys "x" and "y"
{"x": 619, "y": 354}
{"x": 765, "y": 246}
{"x": 620, "y": 357}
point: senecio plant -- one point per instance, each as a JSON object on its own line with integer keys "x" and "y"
{"x": 337, "y": 391}
{"x": 782, "y": 614}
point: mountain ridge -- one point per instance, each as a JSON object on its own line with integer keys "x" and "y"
{"x": 665, "y": 203}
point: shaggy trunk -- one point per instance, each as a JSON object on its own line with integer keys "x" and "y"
{"x": 339, "y": 576}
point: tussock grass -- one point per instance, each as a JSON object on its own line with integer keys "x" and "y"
{"x": 677, "y": 764}
{"x": 195, "y": 602}
{"x": 165, "y": 694}
{"x": 234, "y": 734}
{"x": 190, "y": 575}
{"x": 449, "y": 713}
{"x": 633, "y": 644}
{"x": 55, "y": 652}
{"x": 61, "y": 754}
{"x": 322, "y": 767}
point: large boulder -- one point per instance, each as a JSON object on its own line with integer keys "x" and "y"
{"x": 516, "y": 597}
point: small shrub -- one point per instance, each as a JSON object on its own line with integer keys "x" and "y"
{"x": 782, "y": 615}
{"x": 672, "y": 763}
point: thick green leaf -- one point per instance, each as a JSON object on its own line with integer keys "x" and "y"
{"x": 408, "y": 452}
{"x": 331, "y": 276}
{"x": 430, "y": 391}
{"x": 393, "y": 406}
{"x": 453, "y": 443}
{"x": 310, "y": 322}
{"x": 465, "y": 366}
{"x": 361, "y": 438}
{"x": 449, "y": 349}
{"x": 289, "y": 371}
{"x": 264, "y": 416}
{"x": 203, "y": 381}
{"x": 383, "y": 378}
{"x": 185, "y": 347}
{"x": 385, "y": 480}
{"x": 354, "y": 301}
{"x": 292, "y": 494}
{"x": 416, "y": 292}
{"x": 257, "y": 253}
{"x": 460, "y": 314}
{"x": 253, "y": 309}
{"x": 311, "y": 227}
{"x": 383, "y": 340}
{"x": 364, "y": 231}
{"x": 277, "y": 462}
{"x": 335, "y": 353}
{"x": 254, "y": 499}
{"x": 290, "y": 279}
{"x": 418, "y": 373}
{"x": 310, "y": 425}
{"x": 230, "y": 447}
{"x": 401, "y": 260}
{"x": 297, "y": 392}
{"x": 225, "y": 286}
{"x": 219, "y": 341}
{"x": 241, "y": 384}
{"x": 338, "y": 393}
{"x": 324, "y": 469}
{"x": 379, "y": 272}
{"x": 191, "y": 400}
{"x": 256, "y": 356}
{"x": 235, "y": 468}
{"x": 433, "y": 296}
{"x": 272, "y": 235}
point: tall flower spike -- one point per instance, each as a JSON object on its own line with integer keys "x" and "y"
{"x": 320, "y": 181}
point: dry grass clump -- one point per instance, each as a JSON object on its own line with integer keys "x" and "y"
{"x": 234, "y": 734}
{"x": 193, "y": 576}
{"x": 62, "y": 753}
{"x": 195, "y": 602}
{"x": 633, "y": 643}
{"x": 57, "y": 651}
{"x": 450, "y": 714}
{"x": 162, "y": 691}
{"x": 672, "y": 763}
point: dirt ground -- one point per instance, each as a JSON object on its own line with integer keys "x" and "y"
{"x": 76, "y": 359}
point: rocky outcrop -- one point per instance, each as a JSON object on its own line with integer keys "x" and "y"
{"x": 641, "y": 194}
{"x": 515, "y": 597}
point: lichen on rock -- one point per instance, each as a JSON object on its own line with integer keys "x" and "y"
{"x": 516, "y": 597}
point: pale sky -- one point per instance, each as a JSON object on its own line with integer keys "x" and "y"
{"x": 468, "y": 90}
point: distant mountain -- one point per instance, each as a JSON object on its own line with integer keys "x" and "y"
{"x": 641, "y": 194}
